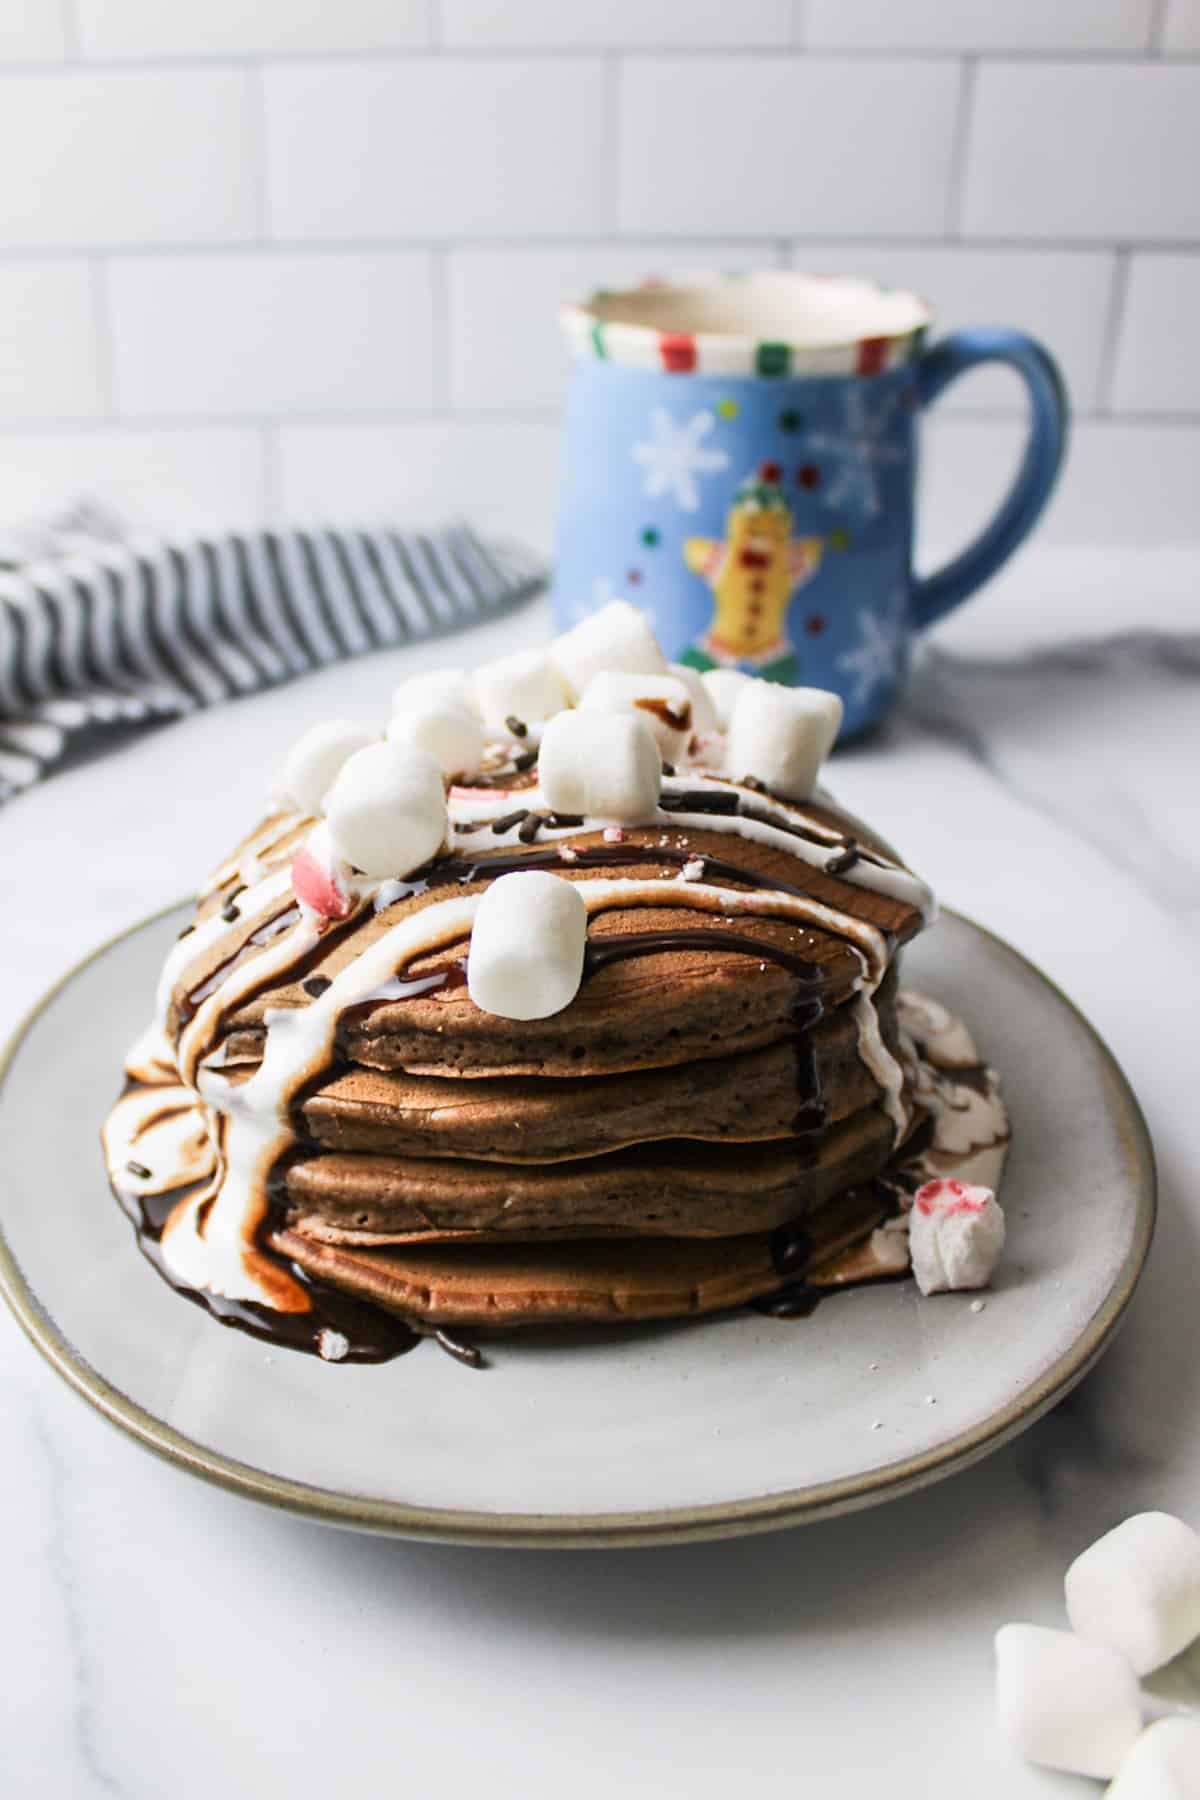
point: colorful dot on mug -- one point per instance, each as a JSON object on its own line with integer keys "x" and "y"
{"x": 728, "y": 409}
{"x": 814, "y": 624}
{"x": 790, "y": 420}
{"x": 808, "y": 475}
{"x": 650, "y": 537}
{"x": 633, "y": 577}
{"x": 839, "y": 539}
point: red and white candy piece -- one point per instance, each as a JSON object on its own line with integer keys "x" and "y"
{"x": 317, "y": 879}
{"x": 955, "y": 1236}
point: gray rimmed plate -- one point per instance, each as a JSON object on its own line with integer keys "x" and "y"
{"x": 706, "y": 1429}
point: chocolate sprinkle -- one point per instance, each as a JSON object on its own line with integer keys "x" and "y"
{"x": 139, "y": 1170}
{"x": 463, "y": 1353}
{"x": 529, "y": 827}
{"x": 525, "y": 761}
{"x": 499, "y": 826}
{"x": 698, "y": 800}
{"x": 517, "y": 727}
{"x": 316, "y": 985}
{"x": 229, "y": 912}
{"x": 843, "y": 860}
{"x": 564, "y": 821}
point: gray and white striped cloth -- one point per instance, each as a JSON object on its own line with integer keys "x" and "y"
{"x": 99, "y": 633}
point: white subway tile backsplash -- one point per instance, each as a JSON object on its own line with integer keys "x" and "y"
{"x": 437, "y": 147}
{"x": 51, "y": 357}
{"x": 501, "y": 476}
{"x": 1156, "y": 369}
{"x": 1181, "y": 31}
{"x": 977, "y": 25}
{"x": 1124, "y": 482}
{"x": 1084, "y": 150}
{"x": 222, "y": 27}
{"x": 1058, "y": 296}
{"x": 32, "y": 31}
{"x": 506, "y": 349}
{"x": 781, "y": 145}
{"x": 654, "y": 24}
{"x": 125, "y": 158}
{"x": 188, "y": 480}
{"x": 265, "y": 332}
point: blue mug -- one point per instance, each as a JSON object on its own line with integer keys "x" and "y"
{"x": 740, "y": 461}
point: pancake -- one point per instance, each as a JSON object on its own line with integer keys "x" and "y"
{"x": 323, "y": 1107}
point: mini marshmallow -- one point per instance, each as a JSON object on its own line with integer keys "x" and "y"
{"x": 603, "y": 765}
{"x": 433, "y": 687}
{"x": 387, "y": 810}
{"x": 723, "y": 687}
{"x": 617, "y": 637}
{"x": 315, "y": 760}
{"x": 955, "y": 1236}
{"x": 663, "y": 702}
{"x": 527, "y": 946}
{"x": 1063, "y": 1703}
{"x": 781, "y": 736}
{"x": 1164, "y": 1764}
{"x": 1138, "y": 1589}
{"x": 704, "y": 713}
{"x": 449, "y": 733}
{"x": 525, "y": 686}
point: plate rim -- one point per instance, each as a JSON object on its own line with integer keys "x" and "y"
{"x": 626, "y": 1529}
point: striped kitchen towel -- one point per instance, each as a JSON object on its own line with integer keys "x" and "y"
{"x": 100, "y": 632}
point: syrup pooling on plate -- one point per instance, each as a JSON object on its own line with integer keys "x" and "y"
{"x": 252, "y": 937}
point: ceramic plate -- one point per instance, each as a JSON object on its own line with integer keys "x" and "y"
{"x": 702, "y": 1429}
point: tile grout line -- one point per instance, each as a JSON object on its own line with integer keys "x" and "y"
{"x": 160, "y": 62}
{"x": 960, "y": 145}
{"x": 1113, "y": 323}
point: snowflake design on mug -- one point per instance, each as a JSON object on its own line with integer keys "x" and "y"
{"x": 875, "y": 662}
{"x": 859, "y": 450}
{"x": 676, "y": 455}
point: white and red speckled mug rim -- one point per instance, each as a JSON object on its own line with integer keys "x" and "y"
{"x": 678, "y": 325}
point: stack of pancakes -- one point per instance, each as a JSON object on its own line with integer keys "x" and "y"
{"x": 703, "y": 1121}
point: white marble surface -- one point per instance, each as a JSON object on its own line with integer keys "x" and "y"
{"x": 162, "y": 1637}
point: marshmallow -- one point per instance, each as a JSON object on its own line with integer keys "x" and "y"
{"x": 449, "y": 733}
{"x": 955, "y": 1236}
{"x": 527, "y": 946}
{"x": 387, "y": 810}
{"x": 781, "y": 736}
{"x": 603, "y": 765}
{"x": 617, "y": 637}
{"x": 663, "y": 702}
{"x": 1138, "y": 1589}
{"x": 524, "y": 686}
{"x": 704, "y": 713}
{"x": 723, "y": 687}
{"x": 313, "y": 763}
{"x": 1164, "y": 1764}
{"x": 432, "y": 687}
{"x": 1064, "y": 1703}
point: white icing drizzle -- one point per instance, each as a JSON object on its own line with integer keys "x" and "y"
{"x": 251, "y": 904}
{"x": 254, "y": 858}
{"x": 160, "y": 1130}
{"x": 880, "y": 1062}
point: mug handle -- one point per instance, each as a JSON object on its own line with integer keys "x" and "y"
{"x": 1045, "y": 448}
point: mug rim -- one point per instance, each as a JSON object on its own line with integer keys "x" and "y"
{"x": 594, "y": 327}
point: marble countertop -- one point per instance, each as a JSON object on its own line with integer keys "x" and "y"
{"x": 161, "y": 1636}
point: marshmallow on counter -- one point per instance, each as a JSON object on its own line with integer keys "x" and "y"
{"x": 1137, "y": 1589}
{"x": 387, "y": 810}
{"x": 704, "y": 712}
{"x": 1063, "y": 1703}
{"x": 527, "y": 946}
{"x": 314, "y": 761}
{"x": 605, "y": 766}
{"x": 617, "y": 638}
{"x": 449, "y": 733}
{"x": 1164, "y": 1764}
{"x": 663, "y": 702}
{"x": 524, "y": 687}
{"x": 318, "y": 879}
{"x": 723, "y": 687}
{"x": 781, "y": 736}
{"x": 955, "y": 1236}
{"x": 435, "y": 687}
